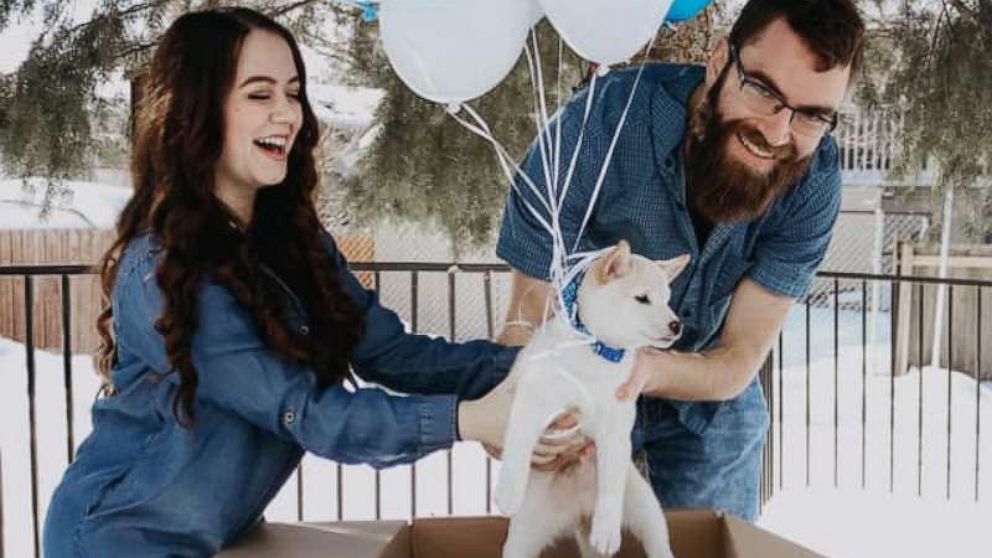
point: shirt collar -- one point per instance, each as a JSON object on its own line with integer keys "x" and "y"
{"x": 669, "y": 118}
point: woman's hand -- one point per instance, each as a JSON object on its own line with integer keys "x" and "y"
{"x": 484, "y": 420}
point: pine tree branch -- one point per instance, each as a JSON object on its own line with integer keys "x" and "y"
{"x": 134, "y": 50}
{"x": 137, "y": 8}
{"x": 963, "y": 8}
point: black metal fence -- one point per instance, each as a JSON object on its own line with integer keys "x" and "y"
{"x": 822, "y": 383}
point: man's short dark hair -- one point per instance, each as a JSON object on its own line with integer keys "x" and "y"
{"x": 833, "y": 29}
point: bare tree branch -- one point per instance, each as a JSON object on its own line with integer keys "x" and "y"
{"x": 291, "y": 7}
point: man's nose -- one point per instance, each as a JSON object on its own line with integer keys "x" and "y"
{"x": 776, "y": 128}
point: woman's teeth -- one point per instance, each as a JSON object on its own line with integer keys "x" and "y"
{"x": 272, "y": 144}
{"x": 754, "y": 149}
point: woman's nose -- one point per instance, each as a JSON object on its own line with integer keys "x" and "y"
{"x": 283, "y": 112}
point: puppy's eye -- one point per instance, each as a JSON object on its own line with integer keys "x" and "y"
{"x": 643, "y": 299}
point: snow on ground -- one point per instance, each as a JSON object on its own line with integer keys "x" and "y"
{"x": 846, "y": 521}
{"x": 851, "y": 523}
{"x": 90, "y": 205}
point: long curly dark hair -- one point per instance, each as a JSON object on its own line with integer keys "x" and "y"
{"x": 179, "y": 135}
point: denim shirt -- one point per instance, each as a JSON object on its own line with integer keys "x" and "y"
{"x": 144, "y": 486}
{"x": 643, "y": 200}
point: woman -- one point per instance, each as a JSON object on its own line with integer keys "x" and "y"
{"x": 233, "y": 319}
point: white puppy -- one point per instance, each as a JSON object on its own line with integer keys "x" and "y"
{"x": 622, "y": 301}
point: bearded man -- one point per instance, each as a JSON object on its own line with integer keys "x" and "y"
{"x": 734, "y": 164}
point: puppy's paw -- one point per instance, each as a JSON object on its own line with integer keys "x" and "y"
{"x": 509, "y": 494}
{"x": 605, "y": 534}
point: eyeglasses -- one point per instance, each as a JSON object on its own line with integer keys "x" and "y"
{"x": 762, "y": 100}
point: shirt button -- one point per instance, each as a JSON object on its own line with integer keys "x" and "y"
{"x": 304, "y": 329}
{"x": 288, "y": 417}
{"x": 687, "y": 314}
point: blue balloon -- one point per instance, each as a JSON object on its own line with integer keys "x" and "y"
{"x": 370, "y": 9}
{"x": 684, "y": 10}
{"x": 370, "y": 12}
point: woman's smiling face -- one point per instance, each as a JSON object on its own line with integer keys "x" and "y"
{"x": 262, "y": 116}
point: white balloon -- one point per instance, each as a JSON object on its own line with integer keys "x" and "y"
{"x": 449, "y": 51}
{"x": 606, "y": 31}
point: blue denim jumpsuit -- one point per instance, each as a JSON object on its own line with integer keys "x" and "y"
{"x": 142, "y": 485}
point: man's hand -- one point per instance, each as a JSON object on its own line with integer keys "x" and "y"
{"x": 724, "y": 371}
{"x": 643, "y": 376}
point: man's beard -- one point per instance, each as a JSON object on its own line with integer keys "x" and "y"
{"x": 724, "y": 189}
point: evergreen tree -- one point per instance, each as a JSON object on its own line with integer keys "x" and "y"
{"x": 422, "y": 166}
{"x": 941, "y": 81}
{"x": 928, "y": 60}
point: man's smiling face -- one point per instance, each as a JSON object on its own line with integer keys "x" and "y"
{"x": 779, "y": 60}
{"x": 745, "y": 154}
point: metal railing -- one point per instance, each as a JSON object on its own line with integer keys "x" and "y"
{"x": 798, "y": 362}
{"x": 913, "y": 326}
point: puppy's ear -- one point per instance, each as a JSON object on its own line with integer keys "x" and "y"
{"x": 674, "y": 266}
{"x": 616, "y": 264}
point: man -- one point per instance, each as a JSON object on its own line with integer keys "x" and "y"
{"x": 732, "y": 163}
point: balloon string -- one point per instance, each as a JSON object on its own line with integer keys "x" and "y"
{"x": 613, "y": 144}
{"x": 481, "y": 129}
{"x": 565, "y": 265}
{"x": 542, "y": 100}
{"x": 547, "y": 149}
{"x": 536, "y": 92}
{"x": 578, "y": 145}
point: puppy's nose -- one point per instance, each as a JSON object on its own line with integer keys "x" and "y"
{"x": 675, "y": 326}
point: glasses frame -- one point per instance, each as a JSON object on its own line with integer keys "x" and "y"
{"x": 744, "y": 79}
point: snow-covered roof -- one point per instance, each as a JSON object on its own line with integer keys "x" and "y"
{"x": 90, "y": 206}
{"x": 345, "y": 107}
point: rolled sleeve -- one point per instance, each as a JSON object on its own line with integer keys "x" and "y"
{"x": 438, "y": 416}
{"x": 788, "y": 256}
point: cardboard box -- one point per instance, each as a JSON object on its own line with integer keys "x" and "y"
{"x": 694, "y": 534}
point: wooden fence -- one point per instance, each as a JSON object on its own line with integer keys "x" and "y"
{"x": 52, "y": 247}
{"x": 79, "y": 247}
{"x": 963, "y": 309}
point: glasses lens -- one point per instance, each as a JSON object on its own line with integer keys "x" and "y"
{"x": 809, "y": 125}
{"x": 759, "y": 99}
